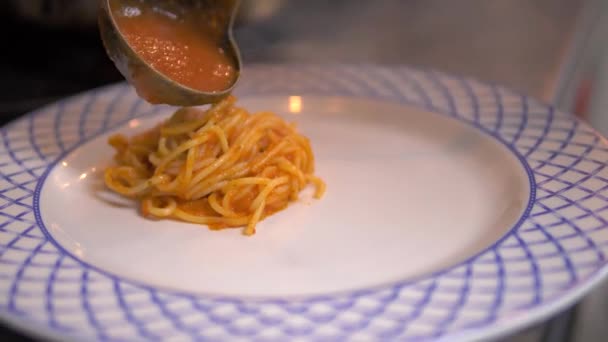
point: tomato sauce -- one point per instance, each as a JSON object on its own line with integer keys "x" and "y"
{"x": 178, "y": 46}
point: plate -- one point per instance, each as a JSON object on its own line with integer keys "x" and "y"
{"x": 455, "y": 209}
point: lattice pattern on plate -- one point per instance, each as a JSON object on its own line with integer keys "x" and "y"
{"x": 558, "y": 248}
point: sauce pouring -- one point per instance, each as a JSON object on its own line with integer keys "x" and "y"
{"x": 176, "y": 52}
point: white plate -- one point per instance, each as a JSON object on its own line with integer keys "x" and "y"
{"x": 454, "y": 210}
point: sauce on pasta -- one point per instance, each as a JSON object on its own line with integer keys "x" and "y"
{"x": 223, "y": 167}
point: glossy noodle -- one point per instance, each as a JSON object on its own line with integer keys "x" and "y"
{"x": 222, "y": 167}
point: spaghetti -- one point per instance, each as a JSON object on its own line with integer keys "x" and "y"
{"x": 222, "y": 167}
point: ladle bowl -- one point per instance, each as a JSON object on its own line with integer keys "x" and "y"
{"x": 152, "y": 85}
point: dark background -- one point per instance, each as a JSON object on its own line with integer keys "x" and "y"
{"x": 40, "y": 63}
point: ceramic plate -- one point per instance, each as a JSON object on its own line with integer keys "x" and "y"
{"x": 454, "y": 210}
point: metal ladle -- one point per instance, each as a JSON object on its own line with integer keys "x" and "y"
{"x": 158, "y": 87}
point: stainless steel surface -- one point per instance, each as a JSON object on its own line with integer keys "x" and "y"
{"x": 158, "y": 87}
{"x": 584, "y": 55}
{"x": 587, "y": 90}
{"x": 518, "y": 43}
{"x": 83, "y": 13}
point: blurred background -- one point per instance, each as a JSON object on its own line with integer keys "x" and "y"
{"x": 551, "y": 49}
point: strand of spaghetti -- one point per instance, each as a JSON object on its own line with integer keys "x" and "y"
{"x": 162, "y": 147}
{"x": 226, "y": 158}
{"x": 119, "y": 142}
{"x": 203, "y": 129}
{"x": 287, "y": 166}
{"x": 247, "y": 190}
{"x": 124, "y": 190}
{"x": 139, "y": 149}
{"x": 182, "y": 127}
{"x": 267, "y": 189}
{"x": 237, "y": 192}
{"x": 221, "y": 106}
{"x": 204, "y": 187}
{"x": 296, "y": 189}
{"x": 210, "y": 220}
{"x": 297, "y": 182}
{"x": 200, "y": 164}
{"x": 154, "y": 159}
{"x": 174, "y": 143}
{"x": 245, "y": 181}
{"x": 282, "y": 190}
{"x": 308, "y": 160}
{"x": 221, "y": 136}
{"x": 166, "y": 185}
{"x": 149, "y": 207}
{"x": 128, "y": 174}
{"x": 220, "y": 209}
{"x": 250, "y": 230}
{"x": 134, "y": 161}
{"x": 319, "y": 184}
{"x": 188, "y": 168}
{"x": 231, "y": 123}
{"x": 255, "y": 132}
{"x": 179, "y": 150}
{"x": 174, "y": 168}
{"x": 270, "y": 154}
{"x": 228, "y": 197}
{"x": 206, "y": 191}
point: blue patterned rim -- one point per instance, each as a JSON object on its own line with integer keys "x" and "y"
{"x": 549, "y": 259}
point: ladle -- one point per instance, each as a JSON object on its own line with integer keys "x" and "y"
{"x": 152, "y": 85}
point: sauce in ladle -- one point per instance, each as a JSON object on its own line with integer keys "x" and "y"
{"x": 176, "y": 45}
